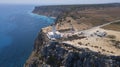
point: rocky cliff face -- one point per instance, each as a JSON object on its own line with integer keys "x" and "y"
{"x": 48, "y": 53}
{"x": 57, "y": 10}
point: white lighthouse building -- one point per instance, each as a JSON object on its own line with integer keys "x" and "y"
{"x": 53, "y": 35}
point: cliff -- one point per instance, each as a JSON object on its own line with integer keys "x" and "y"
{"x": 78, "y": 50}
{"x": 56, "y": 10}
{"x": 55, "y": 54}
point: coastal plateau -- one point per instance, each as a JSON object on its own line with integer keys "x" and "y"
{"x": 93, "y": 42}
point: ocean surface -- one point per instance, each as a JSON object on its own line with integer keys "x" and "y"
{"x": 18, "y": 30}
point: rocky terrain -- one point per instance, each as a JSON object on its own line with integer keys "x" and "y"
{"x": 75, "y": 51}
{"x": 48, "y": 53}
{"x": 56, "y": 10}
{"x": 81, "y": 16}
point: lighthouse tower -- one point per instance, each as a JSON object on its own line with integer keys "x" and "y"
{"x": 53, "y": 35}
{"x": 72, "y": 29}
{"x": 53, "y": 29}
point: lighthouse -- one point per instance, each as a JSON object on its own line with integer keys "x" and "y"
{"x": 72, "y": 29}
{"x": 53, "y": 29}
{"x": 53, "y": 35}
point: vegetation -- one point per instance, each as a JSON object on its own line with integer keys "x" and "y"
{"x": 116, "y": 43}
{"x": 73, "y": 37}
{"x": 111, "y": 36}
{"x": 113, "y": 26}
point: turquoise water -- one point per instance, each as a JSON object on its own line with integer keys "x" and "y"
{"x": 18, "y": 30}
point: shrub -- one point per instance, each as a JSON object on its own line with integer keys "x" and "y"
{"x": 111, "y": 36}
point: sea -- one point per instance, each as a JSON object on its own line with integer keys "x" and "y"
{"x": 18, "y": 29}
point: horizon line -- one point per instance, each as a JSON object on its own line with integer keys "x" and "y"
{"x": 56, "y": 4}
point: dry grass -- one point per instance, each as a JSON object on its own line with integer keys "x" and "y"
{"x": 88, "y": 18}
{"x": 113, "y": 26}
{"x": 108, "y": 45}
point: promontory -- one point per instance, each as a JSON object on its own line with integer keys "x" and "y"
{"x": 81, "y": 36}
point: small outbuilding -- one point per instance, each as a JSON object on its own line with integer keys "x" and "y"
{"x": 100, "y": 33}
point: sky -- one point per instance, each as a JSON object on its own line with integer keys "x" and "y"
{"x": 48, "y": 2}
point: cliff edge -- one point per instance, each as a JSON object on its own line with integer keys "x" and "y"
{"x": 48, "y": 53}
{"x": 55, "y": 54}
{"x": 84, "y": 41}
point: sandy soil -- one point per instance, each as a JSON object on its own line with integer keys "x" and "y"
{"x": 98, "y": 44}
